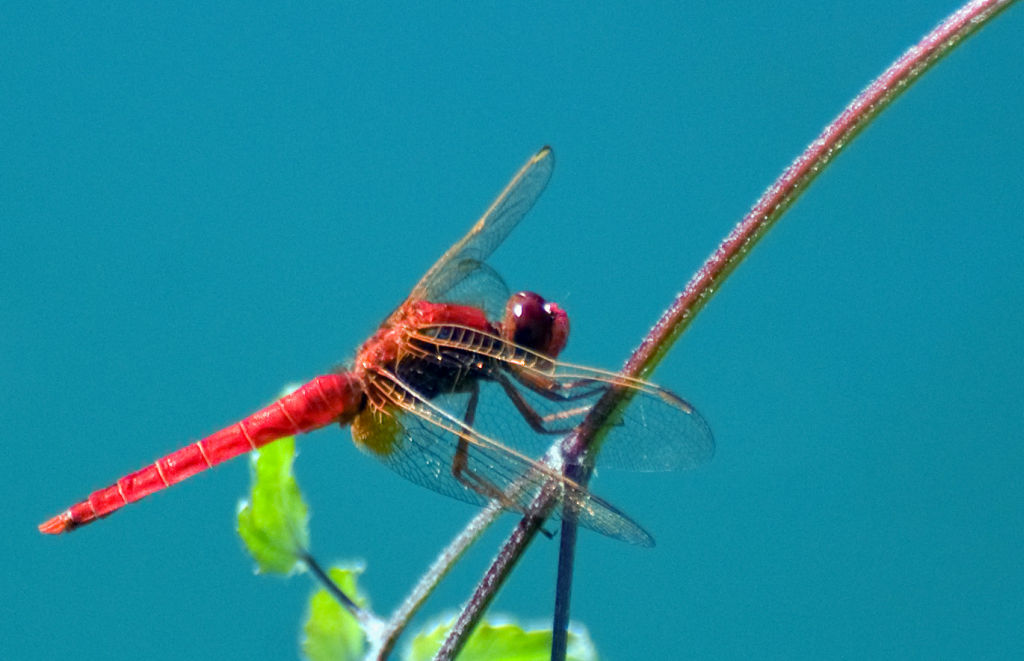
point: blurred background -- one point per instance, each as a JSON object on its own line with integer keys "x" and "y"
{"x": 201, "y": 205}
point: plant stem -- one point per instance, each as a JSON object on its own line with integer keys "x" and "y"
{"x": 708, "y": 280}
{"x": 566, "y": 564}
{"x": 381, "y": 648}
{"x": 367, "y": 620}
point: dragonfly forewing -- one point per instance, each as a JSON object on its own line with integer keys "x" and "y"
{"x": 656, "y": 431}
{"x": 493, "y": 227}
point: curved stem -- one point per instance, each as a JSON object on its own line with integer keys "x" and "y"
{"x": 794, "y": 180}
{"x": 708, "y": 280}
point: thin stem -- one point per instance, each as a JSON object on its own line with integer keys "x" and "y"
{"x": 566, "y": 565}
{"x": 794, "y": 180}
{"x": 709, "y": 278}
{"x": 563, "y": 591}
{"x": 499, "y": 570}
{"x": 381, "y": 648}
{"x": 367, "y": 620}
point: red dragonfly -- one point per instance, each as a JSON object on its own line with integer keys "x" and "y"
{"x": 412, "y": 395}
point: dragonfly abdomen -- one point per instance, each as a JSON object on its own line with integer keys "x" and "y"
{"x": 325, "y": 399}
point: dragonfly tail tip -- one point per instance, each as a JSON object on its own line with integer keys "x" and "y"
{"x": 58, "y": 524}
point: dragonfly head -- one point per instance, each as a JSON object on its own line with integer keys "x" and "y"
{"x": 536, "y": 324}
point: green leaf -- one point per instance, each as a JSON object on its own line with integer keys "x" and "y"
{"x": 274, "y": 522}
{"x": 331, "y": 633}
{"x": 506, "y": 641}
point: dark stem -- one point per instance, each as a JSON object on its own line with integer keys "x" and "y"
{"x": 499, "y": 570}
{"x": 332, "y": 587}
{"x": 566, "y": 564}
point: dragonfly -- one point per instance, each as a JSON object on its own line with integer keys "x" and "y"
{"x": 460, "y": 390}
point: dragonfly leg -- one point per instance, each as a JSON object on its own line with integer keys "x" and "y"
{"x": 556, "y": 391}
{"x": 467, "y": 476}
{"x": 553, "y": 391}
{"x": 536, "y": 421}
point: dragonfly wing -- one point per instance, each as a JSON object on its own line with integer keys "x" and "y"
{"x": 478, "y": 285}
{"x": 657, "y": 431}
{"x": 491, "y": 229}
{"x": 423, "y": 438}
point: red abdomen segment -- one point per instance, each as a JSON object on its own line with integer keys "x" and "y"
{"x": 325, "y": 399}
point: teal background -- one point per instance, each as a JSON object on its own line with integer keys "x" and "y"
{"x": 200, "y": 206}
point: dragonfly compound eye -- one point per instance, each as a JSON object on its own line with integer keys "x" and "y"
{"x": 536, "y": 324}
